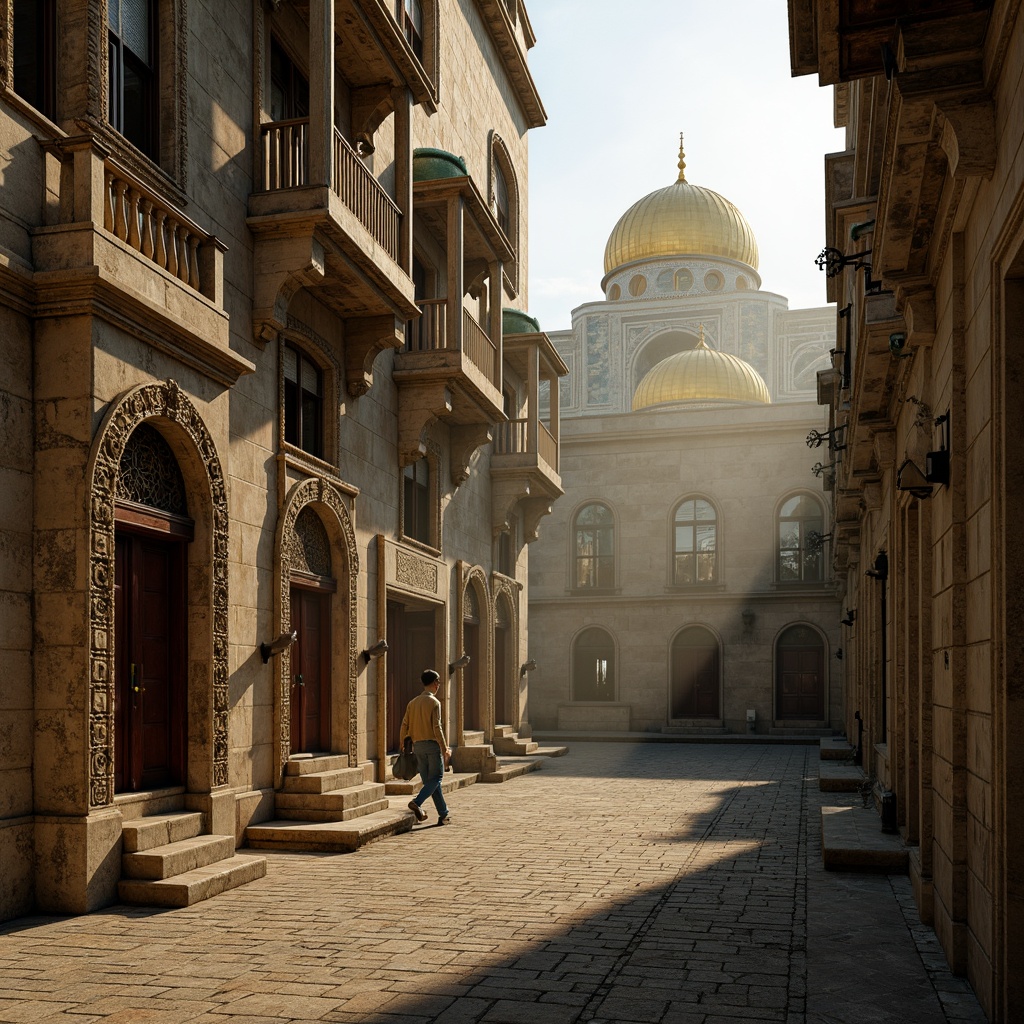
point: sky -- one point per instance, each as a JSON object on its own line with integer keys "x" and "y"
{"x": 619, "y": 82}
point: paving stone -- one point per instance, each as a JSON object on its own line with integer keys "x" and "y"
{"x": 666, "y": 883}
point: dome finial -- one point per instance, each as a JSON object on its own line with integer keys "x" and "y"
{"x": 682, "y": 161}
{"x": 701, "y": 343}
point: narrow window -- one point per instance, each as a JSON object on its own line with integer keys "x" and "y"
{"x": 133, "y": 77}
{"x": 289, "y": 87}
{"x": 595, "y": 549}
{"x": 411, "y": 18}
{"x": 416, "y": 495}
{"x": 799, "y": 530}
{"x": 34, "y": 57}
{"x": 696, "y": 543}
{"x": 303, "y": 402}
{"x": 501, "y": 203}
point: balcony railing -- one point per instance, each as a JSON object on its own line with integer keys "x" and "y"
{"x": 150, "y": 226}
{"x": 513, "y": 438}
{"x": 430, "y": 332}
{"x": 286, "y": 165}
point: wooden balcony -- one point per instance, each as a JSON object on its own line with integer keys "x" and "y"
{"x": 450, "y": 370}
{"x": 113, "y": 243}
{"x": 340, "y": 240}
{"x": 525, "y": 476}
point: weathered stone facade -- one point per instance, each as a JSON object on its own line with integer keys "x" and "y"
{"x": 925, "y": 229}
{"x": 251, "y": 261}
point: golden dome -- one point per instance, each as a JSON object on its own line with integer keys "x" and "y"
{"x": 682, "y": 219}
{"x": 701, "y": 375}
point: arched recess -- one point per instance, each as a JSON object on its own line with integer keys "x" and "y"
{"x": 593, "y": 665}
{"x": 505, "y": 202}
{"x": 323, "y": 498}
{"x": 507, "y": 698}
{"x": 695, "y": 689}
{"x": 801, "y": 674}
{"x": 473, "y": 692}
{"x": 168, "y": 410}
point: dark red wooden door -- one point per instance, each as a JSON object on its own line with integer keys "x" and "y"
{"x": 801, "y": 691}
{"x": 410, "y": 639}
{"x": 502, "y": 713}
{"x": 311, "y": 674}
{"x": 149, "y": 624}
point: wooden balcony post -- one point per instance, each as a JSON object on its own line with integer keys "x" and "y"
{"x": 321, "y": 91}
{"x": 456, "y": 265}
{"x": 554, "y": 415}
{"x": 403, "y": 175}
{"x": 494, "y": 319}
{"x": 533, "y": 393}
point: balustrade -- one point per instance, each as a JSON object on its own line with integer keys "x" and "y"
{"x": 477, "y": 345}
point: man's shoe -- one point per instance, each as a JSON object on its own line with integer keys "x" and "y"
{"x": 421, "y": 815}
{"x": 446, "y": 820}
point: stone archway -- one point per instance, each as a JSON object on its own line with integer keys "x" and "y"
{"x": 507, "y": 590}
{"x": 330, "y": 507}
{"x": 184, "y": 429}
{"x": 474, "y": 680}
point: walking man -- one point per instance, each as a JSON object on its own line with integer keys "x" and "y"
{"x": 422, "y": 721}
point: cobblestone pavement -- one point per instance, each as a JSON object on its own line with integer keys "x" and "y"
{"x": 667, "y": 883}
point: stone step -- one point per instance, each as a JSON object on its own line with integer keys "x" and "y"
{"x": 323, "y": 814}
{"x": 512, "y": 769}
{"x": 308, "y": 764}
{"x": 177, "y": 858}
{"x": 452, "y": 780}
{"x": 835, "y": 748}
{"x": 338, "y": 800}
{"x": 809, "y": 731}
{"x": 852, "y": 840}
{"x": 512, "y": 744}
{"x": 550, "y": 751}
{"x": 324, "y": 782}
{"x": 473, "y": 738}
{"x": 693, "y": 730}
{"x": 840, "y": 778}
{"x": 193, "y": 886}
{"x": 329, "y": 836}
{"x": 501, "y": 731}
{"x": 148, "y": 833}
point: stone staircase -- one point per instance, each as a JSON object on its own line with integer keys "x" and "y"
{"x": 507, "y": 741}
{"x": 324, "y": 804}
{"x": 168, "y": 862}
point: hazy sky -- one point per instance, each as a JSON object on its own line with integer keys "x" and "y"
{"x": 620, "y": 81}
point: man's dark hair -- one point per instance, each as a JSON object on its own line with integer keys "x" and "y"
{"x": 429, "y": 677}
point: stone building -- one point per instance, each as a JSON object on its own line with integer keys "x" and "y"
{"x": 681, "y": 585}
{"x": 266, "y": 453}
{"x": 925, "y": 255}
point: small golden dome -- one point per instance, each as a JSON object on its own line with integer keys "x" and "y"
{"x": 700, "y": 375}
{"x": 682, "y": 219}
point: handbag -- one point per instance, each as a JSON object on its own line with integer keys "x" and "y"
{"x": 406, "y": 766}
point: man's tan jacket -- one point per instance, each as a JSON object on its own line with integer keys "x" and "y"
{"x": 422, "y": 721}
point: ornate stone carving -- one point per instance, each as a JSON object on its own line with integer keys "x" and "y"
{"x": 309, "y": 547}
{"x": 148, "y": 401}
{"x": 336, "y": 523}
{"x": 415, "y": 572}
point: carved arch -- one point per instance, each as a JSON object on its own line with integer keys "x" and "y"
{"x": 171, "y": 412}
{"x": 329, "y": 506}
{"x": 474, "y": 576}
{"x": 501, "y": 160}
{"x": 505, "y": 589}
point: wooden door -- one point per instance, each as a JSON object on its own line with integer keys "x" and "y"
{"x": 800, "y": 688}
{"x": 695, "y": 676}
{"x": 411, "y": 650}
{"x": 311, "y": 672}
{"x": 472, "y": 715}
{"x": 150, "y": 657}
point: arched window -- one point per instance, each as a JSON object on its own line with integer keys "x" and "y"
{"x": 695, "y": 543}
{"x": 594, "y": 549}
{"x": 800, "y": 525}
{"x": 695, "y": 674}
{"x": 505, "y": 202}
{"x": 133, "y": 68}
{"x": 593, "y": 666}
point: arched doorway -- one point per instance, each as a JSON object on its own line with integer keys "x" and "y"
{"x": 593, "y": 666}
{"x": 800, "y": 675}
{"x": 503, "y": 712}
{"x": 312, "y": 584}
{"x": 472, "y": 636}
{"x": 151, "y": 534}
{"x": 696, "y": 674}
